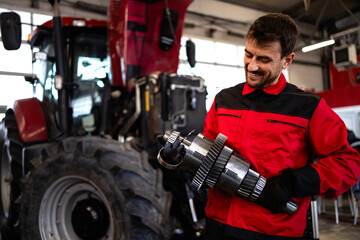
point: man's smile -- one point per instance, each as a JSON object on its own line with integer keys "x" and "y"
{"x": 255, "y": 74}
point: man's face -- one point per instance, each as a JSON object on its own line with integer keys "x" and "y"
{"x": 263, "y": 63}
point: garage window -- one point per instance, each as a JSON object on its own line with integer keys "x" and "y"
{"x": 221, "y": 65}
{"x": 15, "y": 63}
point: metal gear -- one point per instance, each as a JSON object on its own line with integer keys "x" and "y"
{"x": 207, "y": 164}
{"x": 173, "y": 137}
{"x": 252, "y": 186}
{"x": 218, "y": 167}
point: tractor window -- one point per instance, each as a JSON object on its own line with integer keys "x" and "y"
{"x": 91, "y": 57}
{"x": 45, "y": 68}
{"x": 90, "y": 68}
{"x": 90, "y": 72}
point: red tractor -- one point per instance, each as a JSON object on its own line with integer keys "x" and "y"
{"x": 80, "y": 163}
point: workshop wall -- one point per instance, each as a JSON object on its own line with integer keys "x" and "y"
{"x": 205, "y": 19}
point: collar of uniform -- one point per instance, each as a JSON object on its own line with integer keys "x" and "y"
{"x": 273, "y": 89}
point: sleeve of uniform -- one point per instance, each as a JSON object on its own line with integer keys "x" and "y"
{"x": 211, "y": 125}
{"x": 339, "y": 164}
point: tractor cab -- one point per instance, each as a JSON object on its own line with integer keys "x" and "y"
{"x": 88, "y": 69}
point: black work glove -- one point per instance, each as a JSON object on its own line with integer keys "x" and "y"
{"x": 172, "y": 153}
{"x": 277, "y": 192}
{"x": 280, "y": 189}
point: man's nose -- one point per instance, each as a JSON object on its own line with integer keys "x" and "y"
{"x": 253, "y": 65}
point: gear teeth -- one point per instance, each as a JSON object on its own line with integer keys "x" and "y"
{"x": 259, "y": 187}
{"x": 218, "y": 167}
{"x": 207, "y": 164}
{"x": 248, "y": 184}
{"x": 173, "y": 137}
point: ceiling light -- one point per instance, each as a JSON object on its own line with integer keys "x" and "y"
{"x": 318, "y": 45}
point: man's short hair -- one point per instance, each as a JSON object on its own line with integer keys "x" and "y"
{"x": 275, "y": 27}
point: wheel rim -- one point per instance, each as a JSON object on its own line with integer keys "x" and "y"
{"x": 75, "y": 208}
{"x": 5, "y": 181}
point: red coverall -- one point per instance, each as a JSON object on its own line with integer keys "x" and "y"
{"x": 276, "y": 128}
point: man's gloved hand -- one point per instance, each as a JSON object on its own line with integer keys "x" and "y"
{"x": 277, "y": 192}
{"x": 172, "y": 153}
{"x": 301, "y": 182}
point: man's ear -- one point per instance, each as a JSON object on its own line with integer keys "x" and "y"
{"x": 287, "y": 60}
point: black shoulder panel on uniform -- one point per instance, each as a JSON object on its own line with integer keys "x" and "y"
{"x": 292, "y": 101}
{"x": 231, "y": 98}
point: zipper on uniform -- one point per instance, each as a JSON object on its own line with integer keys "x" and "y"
{"x": 292, "y": 124}
{"x": 229, "y": 115}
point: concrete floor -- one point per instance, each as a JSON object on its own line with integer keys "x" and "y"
{"x": 345, "y": 230}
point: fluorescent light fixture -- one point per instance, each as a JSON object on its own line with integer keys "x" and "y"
{"x": 318, "y": 45}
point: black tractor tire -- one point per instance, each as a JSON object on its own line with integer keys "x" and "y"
{"x": 10, "y": 173}
{"x": 94, "y": 188}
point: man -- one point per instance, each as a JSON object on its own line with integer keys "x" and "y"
{"x": 278, "y": 128}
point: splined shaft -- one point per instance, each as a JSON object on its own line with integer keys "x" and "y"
{"x": 214, "y": 165}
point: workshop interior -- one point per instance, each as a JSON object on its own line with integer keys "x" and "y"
{"x": 93, "y": 91}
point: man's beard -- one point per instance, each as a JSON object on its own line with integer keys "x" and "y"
{"x": 263, "y": 84}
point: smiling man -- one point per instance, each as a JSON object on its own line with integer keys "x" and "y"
{"x": 264, "y": 63}
{"x": 278, "y": 128}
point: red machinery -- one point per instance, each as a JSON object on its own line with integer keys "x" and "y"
{"x": 344, "y": 87}
{"x": 79, "y": 163}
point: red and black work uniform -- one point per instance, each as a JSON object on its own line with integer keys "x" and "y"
{"x": 277, "y": 128}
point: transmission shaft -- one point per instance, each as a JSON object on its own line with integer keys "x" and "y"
{"x": 215, "y": 165}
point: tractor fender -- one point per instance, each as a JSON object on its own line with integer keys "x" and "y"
{"x": 30, "y": 120}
